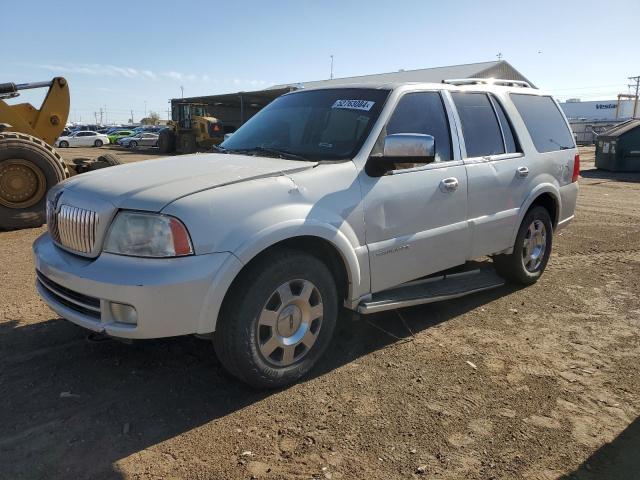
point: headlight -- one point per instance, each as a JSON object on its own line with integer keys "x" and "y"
{"x": 148, "y": 235}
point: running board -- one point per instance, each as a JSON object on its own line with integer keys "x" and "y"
{"x": 432, "y": 289}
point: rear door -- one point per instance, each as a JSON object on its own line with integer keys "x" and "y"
{"x": 497, "y": 170}
{"x": 416, "y": 215}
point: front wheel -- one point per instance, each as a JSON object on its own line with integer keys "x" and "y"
{"x": 63, "y": 144}
{"x": 278, "y": 319}
{"x": 531, "y": 250}
{"x": 133, "y": 145}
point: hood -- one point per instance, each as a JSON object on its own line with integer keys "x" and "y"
{"x": 152, "y": 184}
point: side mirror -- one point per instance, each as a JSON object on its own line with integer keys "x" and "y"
{"x": 403, "y": 148}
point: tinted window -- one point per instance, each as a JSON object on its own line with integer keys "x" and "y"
{"x": 507, "y": 131}
{"x": 480, "y": 127}
{"x": 544, "y": 122}
{"x": 423, "y": 112}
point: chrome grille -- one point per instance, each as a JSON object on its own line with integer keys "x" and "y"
{"x": 73, "y": 227}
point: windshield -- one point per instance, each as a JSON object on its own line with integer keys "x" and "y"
{"x": 329, "y": 124}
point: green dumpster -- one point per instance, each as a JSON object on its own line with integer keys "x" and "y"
{"x": 618, "y": 149}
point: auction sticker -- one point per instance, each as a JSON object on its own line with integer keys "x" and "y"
{"x": 354, "y": 104}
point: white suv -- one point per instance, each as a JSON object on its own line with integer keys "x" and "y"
{"x": 370, "y": 197}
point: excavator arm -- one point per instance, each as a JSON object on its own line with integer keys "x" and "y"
{"x": 45, "y": 123}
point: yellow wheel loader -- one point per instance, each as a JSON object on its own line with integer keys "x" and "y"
{"x": 29, "y": 165}
{"x": 193, "y": 130}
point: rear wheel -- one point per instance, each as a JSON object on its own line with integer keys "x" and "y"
{"x": 166, "y": 141}
{"x": 28, "y": 169}
{"x": 531, "y": 250}
{"x": 98, "y": 143}
{"x": 188, "y": 143}
{"x": 277, "y": 320}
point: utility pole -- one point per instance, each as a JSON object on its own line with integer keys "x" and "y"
{"x": 181, "y": 91}
{"x": 100, "y": 115}
{"x": 637, "y": 87}
{"x": 331, "y": 74}
{"x": 131, "y": 116}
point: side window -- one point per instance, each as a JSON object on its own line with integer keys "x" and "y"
{"x": 423, "y": 112}
{"x": 480, "y": 127}
{"x": 544, "y": 122}
{"x": 505, "y": 124}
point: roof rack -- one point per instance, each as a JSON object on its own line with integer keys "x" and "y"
{"x": 488, "y": 81}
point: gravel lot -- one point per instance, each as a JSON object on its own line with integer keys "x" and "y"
{"x": 536, "y": 383}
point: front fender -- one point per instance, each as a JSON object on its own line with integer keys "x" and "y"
{"x": 355, "y": 261}
{"x": 354, "y": 258}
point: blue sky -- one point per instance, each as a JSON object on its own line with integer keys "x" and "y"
{"x": 123, "y": 56}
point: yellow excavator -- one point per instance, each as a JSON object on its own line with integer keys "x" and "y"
{"x": 29, "y": 165}
{"x": 192, "y": 130}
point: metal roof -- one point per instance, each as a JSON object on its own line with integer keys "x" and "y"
{"x": 495, "y": 69}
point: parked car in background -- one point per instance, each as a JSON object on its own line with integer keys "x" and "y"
{"x": 116, "y": 135}
{"x": 140, "y": 140}
{"x": 83, "y": 138}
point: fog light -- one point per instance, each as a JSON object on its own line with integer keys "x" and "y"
{"x": 123, "y": 313}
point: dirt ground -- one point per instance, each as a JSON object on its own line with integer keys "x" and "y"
{"x": 534, "y": 383}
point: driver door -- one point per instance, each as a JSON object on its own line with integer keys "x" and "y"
{"x": 416, "y": 215}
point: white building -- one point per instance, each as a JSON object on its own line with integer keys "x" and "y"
{"x": 597, "y": 110}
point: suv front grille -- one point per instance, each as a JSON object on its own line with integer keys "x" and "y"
{"x": 79, "y": 302}
{"x": 73, "y": 227}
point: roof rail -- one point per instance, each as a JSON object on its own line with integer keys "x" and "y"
{"x": 488, "y": 81}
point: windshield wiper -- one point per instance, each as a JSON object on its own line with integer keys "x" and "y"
{"x": 273, "y": 151}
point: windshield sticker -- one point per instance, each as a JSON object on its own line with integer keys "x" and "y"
{"x": 354, "y": 104}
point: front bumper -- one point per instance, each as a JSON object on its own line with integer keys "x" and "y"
{"x": 169, "y": 295}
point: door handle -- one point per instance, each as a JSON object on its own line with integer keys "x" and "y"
{"x": 449, "y": 184}
{"x": 523, "y": 171}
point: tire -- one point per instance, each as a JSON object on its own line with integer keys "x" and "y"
{"x": 527, "y": 262}
{"x": 133, "y": 145}
{"x": 110, "y": 159}
{"x": 63, "y": 144}
{"x": 98, "y": 143}
{"x": 104, "y": 161}
{"x": 26, "y": 160}
{"x": 242, "y": 340}
{"x": 188, "y": 143}
{"x": 166, "y": 141}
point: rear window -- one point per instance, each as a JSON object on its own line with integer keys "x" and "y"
{"x": 544, "y": 122}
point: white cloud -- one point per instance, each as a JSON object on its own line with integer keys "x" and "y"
{"x": 107, "y": 70}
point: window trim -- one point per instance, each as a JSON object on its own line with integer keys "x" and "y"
{"x": 516, "y": 138}
{"x": 454, "y": 134}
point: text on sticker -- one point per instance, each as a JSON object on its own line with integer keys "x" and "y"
{"x": 354, "y": 104}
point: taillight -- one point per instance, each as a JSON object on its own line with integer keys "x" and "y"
{"x": 576, "y": 168}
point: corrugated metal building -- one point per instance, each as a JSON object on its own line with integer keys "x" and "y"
{"x": 496, "y": 69}
{"x": 236, "y": 108}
